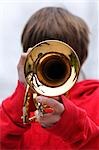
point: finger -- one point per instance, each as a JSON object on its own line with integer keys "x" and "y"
{"x": 22, "y": 59}
{"x": 20, "y": 68}
{"x": 41, "y": 118}
{"x": 29, "y": 49}
{"x": 48, "y": 119}
{"x": 37, "y": 115}
{"x": 57, "y": 106}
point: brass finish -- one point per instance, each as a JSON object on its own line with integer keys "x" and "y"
{"x": 51, "y": 69}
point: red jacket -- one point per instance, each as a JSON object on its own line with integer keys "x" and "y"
{"x": 78, "y": 127}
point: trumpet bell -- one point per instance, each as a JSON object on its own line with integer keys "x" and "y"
{"x": 51, "y": 68}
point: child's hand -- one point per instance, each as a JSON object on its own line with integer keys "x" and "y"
{"x": 20, "y": 67}
{"x": 48, "y": 119}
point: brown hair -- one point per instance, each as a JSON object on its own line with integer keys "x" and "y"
{"x": 51, "y": 23}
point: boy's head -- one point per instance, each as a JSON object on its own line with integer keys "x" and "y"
{"x": 54, "y": 23}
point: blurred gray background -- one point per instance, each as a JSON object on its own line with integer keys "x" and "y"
{"x": 14, "y": 15}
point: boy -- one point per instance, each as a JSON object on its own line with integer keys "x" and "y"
{"x": 74, "y": 124}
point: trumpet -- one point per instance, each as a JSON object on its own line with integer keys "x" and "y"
{"x": 51, "y": 69}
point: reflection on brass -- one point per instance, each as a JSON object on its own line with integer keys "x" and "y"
{"x": 51, "y": 69}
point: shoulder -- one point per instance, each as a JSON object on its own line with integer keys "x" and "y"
{"x": 85, "y": 94}
{"x": 88, "y": 82}
{"x": 86, "y": 87}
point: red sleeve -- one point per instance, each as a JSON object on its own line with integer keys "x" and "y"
{"x": 11, "y": 126}
{"x": 76, "y": 127}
